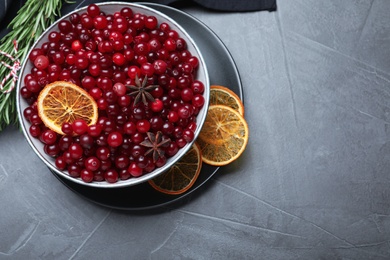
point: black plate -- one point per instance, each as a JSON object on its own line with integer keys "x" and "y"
{"x": 222, "y": 71}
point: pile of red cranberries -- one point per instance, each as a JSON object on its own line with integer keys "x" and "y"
{"x": 105, "y": 54}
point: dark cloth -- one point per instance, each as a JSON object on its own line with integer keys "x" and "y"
{"x": 9, "y": 8}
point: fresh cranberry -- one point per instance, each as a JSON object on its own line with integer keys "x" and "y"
{"x": 115, "y": 139}
{"x": 188, "y": 135}
{"x": 76, "y": 151}
{"x": 41, "y": 62}
{"x": 67, "y": 128}
{"x": 49, "y": 137}
{"x": 172, "y": 149}
{"x": 103, "y": 153}
{"x": 173, "y": 116}
{"x": 35, "y": 119}
{"x": 79, "y": 126}
{"x": 118, "y": 59}
{"x": 77, "y": 45}
{"x": 86, "y": 175}
{"x": 170, "y": 44}
{"x": 52, "y": 149}
{"x": 60, "y": 163}
{"x": 151, "y": 22}
{"x": 157, "y": 105}
{"x": 133, "y": 71}
{"x": 100, "y": 22}
{"x": 198, "y": 101}
{"x": 119, "y": 89}
{"x": 86, "y": 141}
{"x": 98, "y": 176}
{"x": 111, "y": 176}
{"x": 134, "y": 169}
{"x": 122, "y": 162}
{"x": 35, "y": 131}
{"x": 186, "y": 94}
{"x": 94, "y": 130}
{"x": 65, "y": 26}
{"x": 92, "y": 163}
{"x": 143, "y": 126}
{"x": 93, "y": 10}
{"x": 74, "y": 170}
{"x": 35, "y": 53}
{"x": 74, "y": 18}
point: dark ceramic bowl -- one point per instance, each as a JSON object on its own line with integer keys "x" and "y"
{"x": 110, "y": 8}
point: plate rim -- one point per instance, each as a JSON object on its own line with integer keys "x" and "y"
{"x": 179, "y": 197}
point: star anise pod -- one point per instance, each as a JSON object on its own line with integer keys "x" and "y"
{"x": 141, "y": 91}
{"x": 155, "y": 142}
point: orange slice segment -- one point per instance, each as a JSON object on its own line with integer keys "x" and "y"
{"x": 182, "y": 175}
{"x": 220, "y": 95}
{"x": 62, "y": 101}
{"x": 224, "y": 135}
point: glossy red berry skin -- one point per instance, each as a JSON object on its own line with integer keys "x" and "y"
{"x": 119, "y": 89}
{"x": 173, "y": 116}
{"x": 93, "y": 10}
{"x": 198, "y": 100}
{"x": 119, "y": 59}
{"x": 111, "y": 176}
{"x": 86, "y": 175}
{"x": 103, "y": 153}
{"x": 60, "y": 163}
{"x": 76, "y": 151}
{"x": 92, "y": 163}
{"x": 134, "y": 169}
{"x": 122, "y": 162}
{"x": 77, "y": 45}
{"x": 124, "y": 174}
{"x": 186, "y": 94}
{"x": 35, "y": 131}
{"x": 143, "y": 126}
{"x": 49, "y": 137}
{"x": 133, "y": 71}
{"x": 160, "y": 66}
{"x": 115, "y": 139}
{"x": 51, "y": 149}
{"x": 188, "y": 135}
{"x": 74, "y": 170}
{"x": 35, "y": 53}
{"x": 100, "y": 22}
{"x": 130, "y": 128}
{"x": 157, "y": 105}
{"x": 184, "y": 112}
{"x": 94, "y": 130}
{"x": 41, "y": 62}
{"x": 67, "y": 128}
{"x": 79, "y": 126}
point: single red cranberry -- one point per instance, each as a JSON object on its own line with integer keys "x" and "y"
{"x": 111, "y": 176}
{"x": 79, "y": 126}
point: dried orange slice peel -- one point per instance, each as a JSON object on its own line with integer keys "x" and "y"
{"x": 221, "y": 95}
{"x": 62, "y": 101}
{"x": 224, "y": 135}
{"x": 182, "y": 175}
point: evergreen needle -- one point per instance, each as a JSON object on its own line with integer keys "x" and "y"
{"x": 32, "y": 19}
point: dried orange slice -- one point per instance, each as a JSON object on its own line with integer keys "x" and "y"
{"x": 224, "y": 135}
{"x": 220, "y": 95}
{"x": 182, "y": 175}
{"x": 62, "y": 101}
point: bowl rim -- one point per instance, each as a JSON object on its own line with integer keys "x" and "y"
{"x": 133, "y": 180}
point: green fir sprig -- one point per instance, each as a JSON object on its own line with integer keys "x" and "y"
{"x": 29, "y": 23}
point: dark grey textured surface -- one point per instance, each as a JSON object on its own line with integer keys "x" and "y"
{"x": 312, "y": 184}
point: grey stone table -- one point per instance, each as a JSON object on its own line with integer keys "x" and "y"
{"x": 312, "y": 184}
